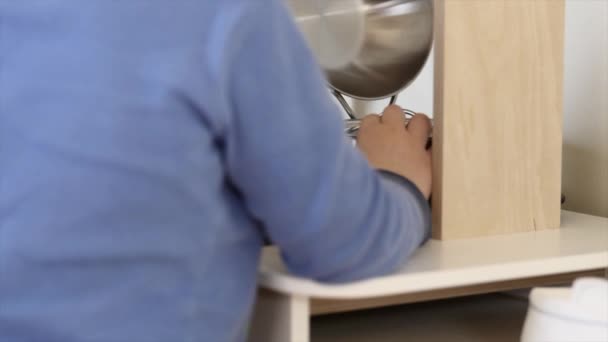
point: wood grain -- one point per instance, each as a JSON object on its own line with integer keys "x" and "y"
{"x": 498, "y": 116}
{"x": 327, "y": 306}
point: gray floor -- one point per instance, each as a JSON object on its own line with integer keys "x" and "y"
{"x": 487, "y": 318}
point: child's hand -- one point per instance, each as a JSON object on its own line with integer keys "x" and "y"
{"x": 389, "y": 145}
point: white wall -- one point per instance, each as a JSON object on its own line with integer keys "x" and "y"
{"x": 585, "y": 177}
{"x": 585, "y": 167}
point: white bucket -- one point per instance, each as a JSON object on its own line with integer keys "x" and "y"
{"x": 576, "y": 314}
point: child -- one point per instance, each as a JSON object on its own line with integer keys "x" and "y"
{"x": 147, "y": 147}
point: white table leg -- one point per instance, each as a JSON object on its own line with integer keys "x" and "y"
{"x": 280, "y": 318}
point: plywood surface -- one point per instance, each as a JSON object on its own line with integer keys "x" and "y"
{"x": 498, "y": 116}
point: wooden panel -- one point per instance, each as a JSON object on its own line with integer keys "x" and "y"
{"x": 327, "y": 306}
{"x": 498, "y": 116}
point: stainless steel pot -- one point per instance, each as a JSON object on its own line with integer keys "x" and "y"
{"x": 369, "y": 49}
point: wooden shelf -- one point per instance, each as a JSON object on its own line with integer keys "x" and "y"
{"x": 581, "y": 244}
{"x": 439, "y": 269}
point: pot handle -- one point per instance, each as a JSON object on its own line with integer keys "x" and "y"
{"x": 352, "y": 124}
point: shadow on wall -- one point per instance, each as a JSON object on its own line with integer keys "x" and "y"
{"x": 585, "y": 180}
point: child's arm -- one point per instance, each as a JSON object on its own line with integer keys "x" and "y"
{"x": 332, "y": 215}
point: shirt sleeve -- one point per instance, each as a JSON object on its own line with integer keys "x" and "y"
{"x": 333, "y": 217}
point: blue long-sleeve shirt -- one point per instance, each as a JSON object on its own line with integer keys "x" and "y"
{"x": 147, "y": 146}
